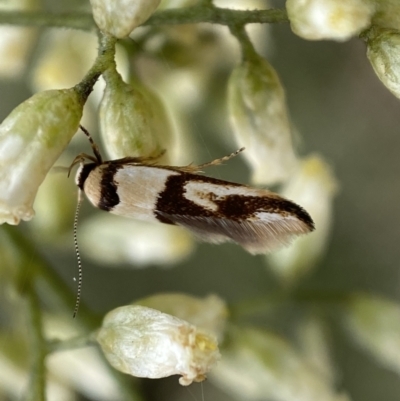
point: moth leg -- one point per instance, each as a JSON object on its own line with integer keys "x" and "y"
{"x": 80, "y": 159}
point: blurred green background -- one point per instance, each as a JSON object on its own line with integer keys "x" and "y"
{"x": 342, "y": 111}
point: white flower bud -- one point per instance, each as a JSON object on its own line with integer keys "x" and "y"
{"x": 208, "y": 314}
{"x": 259, "y": 366}
{"x": 329, "y": 19}
{"x": 313, "y": 186}
{"x": 383, "y": 53}
{"x": 133, "y": 121}
{"x": 32, "y": 137}
{"x": 374, "y": 323}
{"x": 121, "y": 17}
{"x": 259, "y": 118}
{"x": 144, "y": 342}
{"x": 112, "y": 240}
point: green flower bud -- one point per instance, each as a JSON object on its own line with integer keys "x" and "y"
{"x": 133, "y": 121}
{"x": 259, "y": 117}
{"x": 313, "y": 186}
{"x": 121, "y": 17}
{"x": 144, "y": 342}
{"x": 329, "y": 19}
{"x": 258, "y": 365}
{"x": 208, "y": 314}
{"x": 32, "y": 138}
{"x": 383, "y": 53}
{"x": 374, "y": 324}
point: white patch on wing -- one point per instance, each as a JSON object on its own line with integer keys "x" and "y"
{"x": 203, "y": 193}
{"x": 138, "y": 190}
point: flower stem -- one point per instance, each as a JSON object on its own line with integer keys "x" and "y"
{"x": 36, "y": 390}
{"x": 203, "y": 12}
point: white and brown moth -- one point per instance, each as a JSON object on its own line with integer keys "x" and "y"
{"x": 213, "y": 210}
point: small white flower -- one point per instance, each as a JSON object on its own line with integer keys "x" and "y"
{"x": 374, "y": 323}
{"x": 144, "y": 342}
{"x": 121, "y": 17}
{"x": 260, "y": 122}
{"x": 329, "y": 19}
{"x": 313, "y": 186}
{"x": 383, "y": 53}
{"x": 32, "y": 137}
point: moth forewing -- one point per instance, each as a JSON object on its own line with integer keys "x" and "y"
{"x": 213, "y": 210}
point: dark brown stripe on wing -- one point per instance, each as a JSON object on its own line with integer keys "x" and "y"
{"x": 172, "y": 201}
{"x": 108, "y": 193}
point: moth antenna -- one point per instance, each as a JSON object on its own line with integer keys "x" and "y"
{"x": 78, "y": 255}
{"x": 220, "y": 160}
{"x": 95, "y": 148}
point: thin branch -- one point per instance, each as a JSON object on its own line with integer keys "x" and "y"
{"x": 36, "y": 390}
{"x": 184, "y": 15}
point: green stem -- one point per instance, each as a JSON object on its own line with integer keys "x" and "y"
{"x": 185, "y": 15}
{"x": 248, "y": 51}
{"x": 36, "y": 390}
{"x": 104, "y": 60}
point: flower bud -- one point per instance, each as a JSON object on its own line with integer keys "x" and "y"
{"x": 112, "y": 240}
{"x": 383, "y": 46}
{"x": 133, "y": 120}
{"x": 259, "y": 118}
{"x": 329, "y": 19}
{"x": 258, "y": 365}
{"x": 208, "y": 314}
{"x": 32, "y": 137}
{"x": 313, "y": 186}
{"x": 374, "y": 323}
{"x": 144, "y": 342}
{"x": 121, "y": 17}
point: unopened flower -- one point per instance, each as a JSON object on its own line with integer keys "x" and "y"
{"x": 119, "y": 240}
{"x": 133, "y": 120}
{"x": 121, "y": 17}
{"x": 329, "y": 19}
{"x": 259, "y": 117}
{"x": 207, "y": 313}
{"x": 258, "y": 365}
{"x": 32, "y": 137}
{"x": 144, "y": 342}
{"x": 313, "y": 186}
{"x": 374, "y": 323}
{"x": 383, "y": 52}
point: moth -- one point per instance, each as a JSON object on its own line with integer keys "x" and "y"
{"x": 213, "y": 210}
